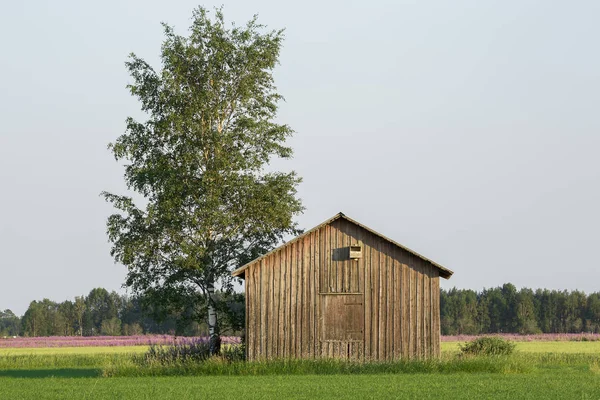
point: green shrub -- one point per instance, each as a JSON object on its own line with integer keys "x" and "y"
{"x": 488, "y": 346}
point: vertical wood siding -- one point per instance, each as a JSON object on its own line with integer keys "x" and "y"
{"x": 285, "y": 294}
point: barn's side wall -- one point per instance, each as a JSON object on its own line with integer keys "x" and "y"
{"x": 284, "y": 295}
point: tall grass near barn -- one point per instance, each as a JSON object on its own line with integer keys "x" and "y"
{"x": 126, "y": 365}
{"x": 217, "y": 366}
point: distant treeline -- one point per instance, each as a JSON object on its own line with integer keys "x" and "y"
{"x": 506, "y": 309}
{"x": 107, "y": 313}
{"x": 502, "y": 309}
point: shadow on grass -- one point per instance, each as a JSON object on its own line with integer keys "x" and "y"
{"x": 52, "y": 373}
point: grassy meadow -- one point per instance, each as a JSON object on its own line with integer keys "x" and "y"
{"x": 537, "y": 370}
{"x": 570, "y": 385}
{"x": 571, "y": 347}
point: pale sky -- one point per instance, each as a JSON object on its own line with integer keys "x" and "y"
{"x": 468, "y": 131}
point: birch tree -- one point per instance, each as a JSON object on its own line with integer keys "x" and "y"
{"x": 205, "y": 202}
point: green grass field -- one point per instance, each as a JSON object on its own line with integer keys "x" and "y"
{"x": 538, "y": 370}
{"x": 548, "y": 385}
{"x": 543, "y": 347}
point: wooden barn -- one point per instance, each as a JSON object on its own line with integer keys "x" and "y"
{"x": 342, "y": 290}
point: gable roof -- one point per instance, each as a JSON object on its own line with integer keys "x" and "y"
{"x": 444, "y": 272}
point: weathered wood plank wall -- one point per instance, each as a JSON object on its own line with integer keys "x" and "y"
{"x": 285, "y": 298}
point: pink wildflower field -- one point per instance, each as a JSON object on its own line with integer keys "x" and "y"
{"x": 90, "y": 341}
{"x": 146, "y": 340}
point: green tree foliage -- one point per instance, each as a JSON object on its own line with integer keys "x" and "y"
{"x": 509, "y": 294}
{"x": 67, "y": 316}
{"x": 592, "y": 313}
{"x": 199, "y": 163}
{"x": 526, "y": 322}
{"x": 10, "y": 324}
{"x": 79, "y": 308}
{"x": 132, "y": 329}
{"x": 33, "y": 322}
{"x": 42, "y": 319}
{"x": 111, "y": 327}
{"x": 459, "y": 311}
{"x": 100, "y": 305}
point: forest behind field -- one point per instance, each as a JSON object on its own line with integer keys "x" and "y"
{"x": 462, "y": 312}
{"x": 508, "y": 310}
{"x": 104, "y": 313}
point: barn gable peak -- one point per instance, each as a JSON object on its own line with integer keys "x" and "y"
{"x": 444, "y": 272}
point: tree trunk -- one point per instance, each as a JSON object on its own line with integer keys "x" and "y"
{"x": 213, "y": 326}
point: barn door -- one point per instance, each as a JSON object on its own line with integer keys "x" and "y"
{"x": 343, "y": 317}
{"x": 342, "y": 325}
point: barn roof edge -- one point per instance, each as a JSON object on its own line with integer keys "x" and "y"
{"x": 444, "y": 272}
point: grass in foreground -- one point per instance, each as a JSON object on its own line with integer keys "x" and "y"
{"x": 531, "y": 375}
{"x": 567, "y": 385}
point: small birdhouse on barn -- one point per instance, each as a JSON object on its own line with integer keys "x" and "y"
{"x": 342, "y": 290}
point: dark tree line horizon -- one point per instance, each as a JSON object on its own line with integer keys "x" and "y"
{"x": 503, "y": 309}
{"x": 104, "y": 313}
